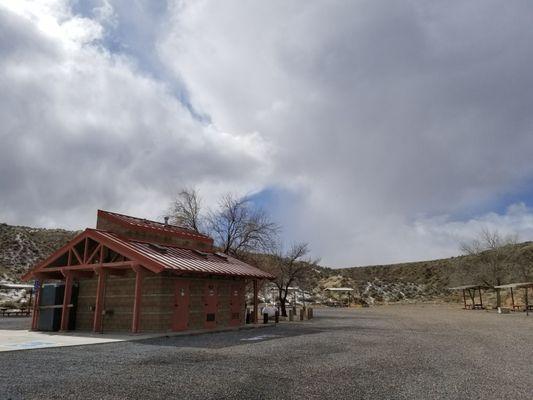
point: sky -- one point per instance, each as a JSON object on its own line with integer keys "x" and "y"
{"x": 376, "y": 131}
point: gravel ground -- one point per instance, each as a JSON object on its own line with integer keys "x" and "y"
{"x": 389, "y": 352}
{"x": 15, "y": 323}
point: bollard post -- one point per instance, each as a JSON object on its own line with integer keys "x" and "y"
{"x": 301, "y": 314}
{"x": 276, "y": 317}
{"x": 265, "y": 318}
{"x": 291, "y": 315}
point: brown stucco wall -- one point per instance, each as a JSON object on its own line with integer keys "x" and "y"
{"x": 119, "y": 295}
{"x": 196, "y": 311}
{"x": 86, "y": 300}
{"x": 157, "y": 303}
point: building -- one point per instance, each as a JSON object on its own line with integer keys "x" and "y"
{"x": 132, "y": 274}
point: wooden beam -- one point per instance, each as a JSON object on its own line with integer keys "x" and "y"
{"x": 139, "y": 274}
{"x": 35, "y": 316}
{"x": 93, "y": 254}
{"x": 65, "y": 311}
{"x": 77, "y": 255}
{"x": 116, "y": 272}
{"x": 85, "y": 251}
{"x": 100, "y": 298}
{"x": 91, "y": 267}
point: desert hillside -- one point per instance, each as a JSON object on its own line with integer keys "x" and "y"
{"x": 21, "y": 247}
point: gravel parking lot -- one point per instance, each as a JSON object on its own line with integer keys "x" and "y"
{"x": 15, "y": 323}
{"x": 390, "y": 352}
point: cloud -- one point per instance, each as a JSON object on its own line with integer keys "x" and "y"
{"x": 388, "y": 130}
{"x": 83, "y": 128}
{"x": 381, "y": 113}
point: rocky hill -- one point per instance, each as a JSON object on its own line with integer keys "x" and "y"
{"x": 21, "y": 247}
{"x": 429, "y": 280}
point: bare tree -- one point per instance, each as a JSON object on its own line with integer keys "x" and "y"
{"x": 491, "y": 253}
{"x": 239, "y": 227}
{"x": 289, "y": 268}
{"x": 186, "y": 209}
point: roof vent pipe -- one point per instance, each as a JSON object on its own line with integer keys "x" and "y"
{"x": 166, "y": 220}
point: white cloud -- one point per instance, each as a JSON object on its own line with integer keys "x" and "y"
{"x": 380, "y": 112}
{"x": 83, "y": 128}
{"x": 379, "y": 124}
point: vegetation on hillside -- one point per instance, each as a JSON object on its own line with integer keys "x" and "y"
{"x": 22, "y": 247}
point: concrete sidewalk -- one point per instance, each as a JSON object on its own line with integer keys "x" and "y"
{"x": 11, "y": 340}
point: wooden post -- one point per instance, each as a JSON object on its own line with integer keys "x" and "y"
{"x": 256, "y": 302}
{"x": 65, "y": 311}
{"x": 35, "y": 316}
{"x": 527, "y": 302}
{"x": 480, "y": 298}
{"x": 464, "y": 298}
{"x": 137, "y": 300}
{"x": 100, "y": 297}
{"x": 472, "y": 297}
{"x": 512, "y": 298}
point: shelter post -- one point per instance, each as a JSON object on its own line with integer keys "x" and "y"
{"x": 137, "y": 300}
{"x": 480, "y": 299}
{"x": 527, "y": 301}
{"x": 512, "y": 298}
{"x": 99, "y": 306}
{"x": 37, "y": 301}
{"x": 65, "y": 311}
{"x": 256, "y": 305}
{"x": 464, "y": 298}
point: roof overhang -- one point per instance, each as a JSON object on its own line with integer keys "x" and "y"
{"x": 133, "y": 255}
{"x": 515, "y": 285}
{"x": 466, "y": 287}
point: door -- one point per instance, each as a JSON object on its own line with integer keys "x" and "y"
{"x": 180, "y": 320}
{"x": 236, "y": 303}
{"x": 210, "y": 305}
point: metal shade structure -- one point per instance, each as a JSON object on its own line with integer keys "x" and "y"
{"x": 346, "y": 290}
{"x": 519, "y": 285}
{"x": 471, "y": 289}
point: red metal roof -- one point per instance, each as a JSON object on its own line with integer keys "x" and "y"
{"x": 180, "y": 260}
{"x": 135, "y": 222}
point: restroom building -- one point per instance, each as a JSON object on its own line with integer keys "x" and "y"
{"x": 132, "y": 274}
